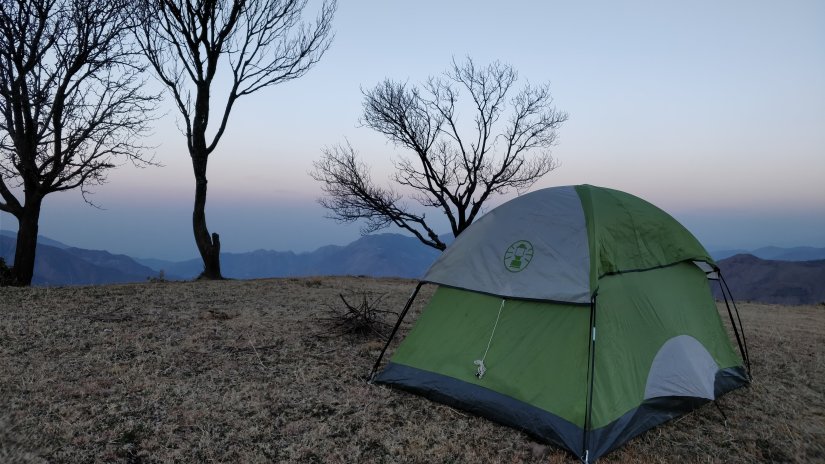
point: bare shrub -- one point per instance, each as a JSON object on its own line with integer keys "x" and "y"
{"x": 364, "y": 320}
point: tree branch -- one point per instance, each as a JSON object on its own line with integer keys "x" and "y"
{"x": 443, "y": 172}
{"x": 352, "y": 196}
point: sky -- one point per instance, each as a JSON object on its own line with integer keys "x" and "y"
{"x": 713, "y": 111}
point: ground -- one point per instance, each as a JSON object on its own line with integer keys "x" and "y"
{"x": 251, "y": 371}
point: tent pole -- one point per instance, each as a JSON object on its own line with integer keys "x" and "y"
{"x": 591, "y": 367}
{"x": 743, "y": 345}
{"x": 394, "y": 330}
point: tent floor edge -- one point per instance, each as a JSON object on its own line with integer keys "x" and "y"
{"x": 536, "y": 422}
{"x": 545, "y": 426}
{"x": 657, "y": 411}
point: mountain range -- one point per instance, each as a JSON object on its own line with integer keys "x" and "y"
{"x": 59, "y": 264}
{"x": 770, "y": 281}
{"x": 380, "y": 255}
{"x": 769, "y": 274}
{"x": 774, "y": 253}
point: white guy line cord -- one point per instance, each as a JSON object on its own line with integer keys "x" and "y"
{"x": 480, "y": 362}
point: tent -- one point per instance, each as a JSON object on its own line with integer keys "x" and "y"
{"x": 579, "y": 314}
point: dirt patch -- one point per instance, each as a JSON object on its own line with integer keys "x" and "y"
{"x": 237, "y": 371}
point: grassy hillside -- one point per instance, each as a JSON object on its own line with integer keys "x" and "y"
{"x": 249, "y": 371}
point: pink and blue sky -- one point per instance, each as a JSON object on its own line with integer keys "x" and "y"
{"x": 714, "y": 111}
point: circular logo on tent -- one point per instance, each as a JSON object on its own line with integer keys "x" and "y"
{"x": 518, "y": 256}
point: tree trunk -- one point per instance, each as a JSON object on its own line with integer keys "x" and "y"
{"x": 208, "y": 246}
{"x": 24, "y": 253}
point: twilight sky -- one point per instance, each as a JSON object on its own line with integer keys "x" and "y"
{"x": 713, "y": 111}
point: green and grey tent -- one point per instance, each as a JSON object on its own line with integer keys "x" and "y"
{"x": 581, "y": 315}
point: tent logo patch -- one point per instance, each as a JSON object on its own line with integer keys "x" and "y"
{"x": 518, "y": 256}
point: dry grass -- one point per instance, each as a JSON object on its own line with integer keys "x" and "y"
{"x": 235, "y": 371}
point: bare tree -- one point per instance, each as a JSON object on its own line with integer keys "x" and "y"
{"x": 257, "y": 43}
{"x": 71, "y": 105}
{"x": 448, "y": 170}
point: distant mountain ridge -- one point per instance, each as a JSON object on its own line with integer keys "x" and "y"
{"x": 381, "y": 255}
{"x": 56, "y": 265}
{"x": 771, "y": 281}
{"x": 803, "y": 253}
{"x": 751, "y": 278}
{"x": 41, "y": 240}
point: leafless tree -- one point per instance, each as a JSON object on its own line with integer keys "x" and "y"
{"x": 449, "y": 170}
{"x": 71, "y": 105}
{"x": 253, "y": 43}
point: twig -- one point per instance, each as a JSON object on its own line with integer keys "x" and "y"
{"x": 258, "y": 356}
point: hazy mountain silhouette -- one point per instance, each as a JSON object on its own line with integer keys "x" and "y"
{"x": 775, "y": 253}
{"x": 104, "y": 259}
{"x": 788, "y": 281}
{"x": 41, "y": 240}
{"x": 381, "y": 255}
{"x": 770, "y": 281}
{"x": 156, "y": 264}
{"x": 75, "y": 266}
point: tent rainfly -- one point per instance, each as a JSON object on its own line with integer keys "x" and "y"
{"x": 581, "y": 315}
